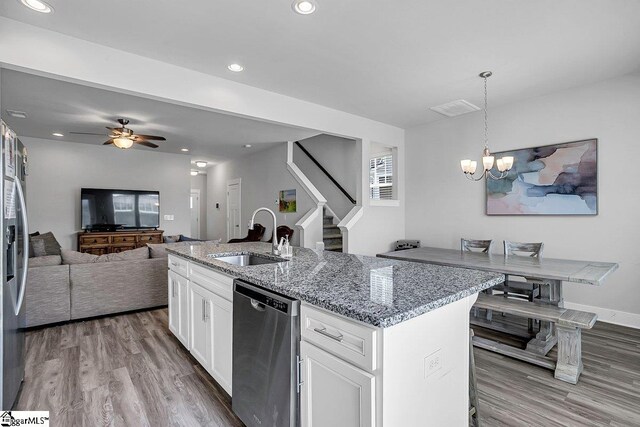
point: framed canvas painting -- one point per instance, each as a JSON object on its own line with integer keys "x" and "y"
{"x": 287, "y": 201}
{"x": 559, "y": 179}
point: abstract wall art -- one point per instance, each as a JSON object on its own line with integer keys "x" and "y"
{"x": 559, "y": 179}
{"x": 287, "y": 201}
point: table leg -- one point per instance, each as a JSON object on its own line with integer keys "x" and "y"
{"x": 550, "y": 293}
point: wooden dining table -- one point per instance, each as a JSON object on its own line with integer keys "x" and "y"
{"x": 549, "y": 273}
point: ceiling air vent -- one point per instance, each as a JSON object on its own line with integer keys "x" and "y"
{"x": 455, "y": 108}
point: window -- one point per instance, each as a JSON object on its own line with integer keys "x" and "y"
{"x": 381, "y": 178}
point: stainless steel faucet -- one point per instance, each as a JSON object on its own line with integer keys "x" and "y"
{"x": 274, "y": 240}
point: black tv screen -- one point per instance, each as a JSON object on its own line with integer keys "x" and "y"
{"x": 104, "y": 209}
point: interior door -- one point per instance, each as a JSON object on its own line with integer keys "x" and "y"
{"x": 233, "y": 210}
{"x": 194, "y": 204}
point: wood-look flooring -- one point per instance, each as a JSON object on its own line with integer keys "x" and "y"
{"x": 125, "y": 370}
{"x": 129, "y": 370}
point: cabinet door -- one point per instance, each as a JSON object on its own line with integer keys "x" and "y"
{"x": 334, "y": 392}
{"x": 182, "y": 288}
{"x": 222, "y": 351}
{"x": 174, "y": 305}
{"x": 199, "y": 325}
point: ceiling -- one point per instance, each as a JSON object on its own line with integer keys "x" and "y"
{"x": 57, "y": 106}
{"x": 386, "y": 60}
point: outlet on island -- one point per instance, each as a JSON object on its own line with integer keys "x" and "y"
{"x": 433, "y": 363}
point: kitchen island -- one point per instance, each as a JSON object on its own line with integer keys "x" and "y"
{"x": 383, "y": 342}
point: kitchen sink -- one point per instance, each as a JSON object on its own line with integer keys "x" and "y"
{"x": 247, "y": 259}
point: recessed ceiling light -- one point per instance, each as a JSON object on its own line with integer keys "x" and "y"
{"x": 37, "y": 5}
{"x": 17, "y": 114}
{"x": 184, "y": 149}
{"x": 57, "y": 134}
{"x": 304, "y": 7}
{"x": 247, "y": 145}
{"x": 201, "y": 163}
{"x": 236, "y": 68}
{"x": 194, "y": 173}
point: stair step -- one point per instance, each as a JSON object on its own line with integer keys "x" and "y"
{"x": 332, "y": 236}
{"x": 326, "y": 226}
{"x": 333, "y": 247}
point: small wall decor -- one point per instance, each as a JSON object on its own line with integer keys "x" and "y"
{"x": 287, "y": 201}
{"x": 559, "y": 179}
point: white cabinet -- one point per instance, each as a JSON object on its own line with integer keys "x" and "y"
{"x": 179, "y": 307}
{"x": 200, "y": 339}
{"x": 334, "y": 392}
{"x": 211, "y": 341}
{"x": 222, "y": 362}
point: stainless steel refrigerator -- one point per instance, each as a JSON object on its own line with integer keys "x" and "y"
{"x": 14, "y": 258}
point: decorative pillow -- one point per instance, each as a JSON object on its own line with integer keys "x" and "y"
{"x": 172, "y": 239}
{"x": 75, "y": 257}
{"x": 157, "y": 250}
{"x": 45, "y": 244}
{"x": 45, "y": 261}
{"x": 31, "y": 254}
{"x": 132, "y": 255}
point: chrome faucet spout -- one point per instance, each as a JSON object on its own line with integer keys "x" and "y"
{"x": 274, "y": 240}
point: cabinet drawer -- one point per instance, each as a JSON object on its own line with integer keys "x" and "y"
{"x": 179, "y": 265}
{"x": 150, "y": 238}
{"x": 218, "y": 283}
{"x": 94, "y": 240}
{"x": 124, "y": 239}
{"x": 346, "y": 339}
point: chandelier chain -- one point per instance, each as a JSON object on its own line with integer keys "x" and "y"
{"x": 486, "y": 126}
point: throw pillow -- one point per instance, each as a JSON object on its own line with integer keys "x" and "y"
{"x": 45, "y": 244}
{"x": 157, "y": 250}
{"x": 74, "y": 257}
{"x": 45, "y": 261}
{"x": 132, "y": 255}
{"x": 31, "y": 254}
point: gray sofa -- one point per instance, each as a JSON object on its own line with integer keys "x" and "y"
{"x": 58, "y": 292}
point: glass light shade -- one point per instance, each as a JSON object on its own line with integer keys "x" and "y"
{"x": 508, "y": 162}
{"x": 464, "y": 164}
{"x": 487, "y": 162}
{"x": 472, "y": 167}
{"x": 123, "y": 143}
{"x": 500, "y": 165}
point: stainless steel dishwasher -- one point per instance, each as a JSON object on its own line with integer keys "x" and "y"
{"x": 266, "y": 341}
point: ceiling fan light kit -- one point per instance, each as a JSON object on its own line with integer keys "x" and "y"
{"x": 124, "y": 137}
{"x": 503, "y": 164}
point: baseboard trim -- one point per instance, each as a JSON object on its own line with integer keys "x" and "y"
{"x": 622, "y": 318}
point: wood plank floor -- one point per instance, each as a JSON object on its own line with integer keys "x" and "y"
{"x": 125, "y": 370}
{"x": 129, "y": 370}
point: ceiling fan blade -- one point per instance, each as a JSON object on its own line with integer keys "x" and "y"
{"x": 108, "y": 142}
{"x": 119, "y": 130}
{"x": 86, "y": 133}
{"x": 150, "y": 137}
{"x": 146, "y": 144}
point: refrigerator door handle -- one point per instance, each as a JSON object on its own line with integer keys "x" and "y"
{"x": 25, "y": 242}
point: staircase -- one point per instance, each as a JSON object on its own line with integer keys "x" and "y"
{"x": 331, "y": 235}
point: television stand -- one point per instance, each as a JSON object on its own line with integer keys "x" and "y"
{"x": 106, "y": 242}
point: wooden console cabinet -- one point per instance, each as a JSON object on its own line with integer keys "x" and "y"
{"x": 100, "y": 243}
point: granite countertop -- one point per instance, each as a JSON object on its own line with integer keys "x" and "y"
{"x": 377, "y": 291}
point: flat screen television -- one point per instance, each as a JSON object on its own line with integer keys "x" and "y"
{"x": 110, "y": 210}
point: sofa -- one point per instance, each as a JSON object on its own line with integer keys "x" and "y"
{"x": 75, "y": 286}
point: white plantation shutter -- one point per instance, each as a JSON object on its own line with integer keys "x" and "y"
{"x": 381, "y": 178}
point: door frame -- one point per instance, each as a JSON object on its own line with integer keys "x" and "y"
{"x": 230, "y": 182}
{"x": 192, "y": 191}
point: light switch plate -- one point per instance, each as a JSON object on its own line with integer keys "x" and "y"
{"x": 168, "y": 217}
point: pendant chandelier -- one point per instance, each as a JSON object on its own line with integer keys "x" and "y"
{"x": 503, "y": 164}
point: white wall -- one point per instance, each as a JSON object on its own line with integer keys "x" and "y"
{"x": 442, "y": 206}
{"x": 58, "y": 170}
{"x": 263, "y": 174}
{"x": 199, "y": 182}
{"x": 339, "y": 157}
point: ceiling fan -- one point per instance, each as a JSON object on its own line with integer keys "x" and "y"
{"x": 124, "y": 137}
